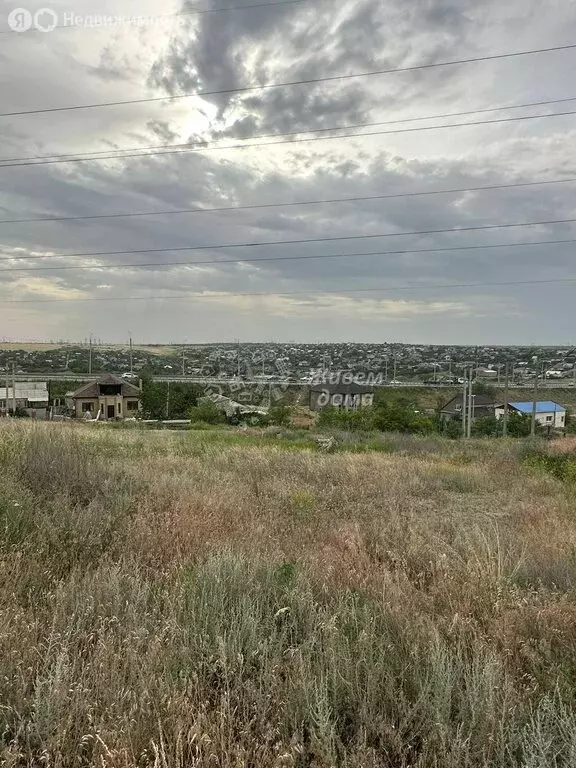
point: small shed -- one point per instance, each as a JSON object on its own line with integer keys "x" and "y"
{"x": 29, "y": 396}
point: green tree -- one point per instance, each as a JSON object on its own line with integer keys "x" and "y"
{"x": 153, "y": 399}
{"x": 518, "y": 424}
{"x": 486, "y": 426}
{"x": 162, "y": 400}
{"x": 207, "y": 412}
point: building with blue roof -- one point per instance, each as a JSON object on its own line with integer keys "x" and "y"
{"x": 548, "y": 413}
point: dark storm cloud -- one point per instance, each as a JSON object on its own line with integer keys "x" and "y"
{"x": 301, "y": 43}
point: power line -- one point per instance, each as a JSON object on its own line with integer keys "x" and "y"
{"x": 155, "y": 148}
{"x": 309, "y": 81}
{"x": 288, "y": 141}
{"x": 219, "y": 295}
{"x": 314, "y": 257}
{"x": 181, "y": 14}
{"x": 326, "y": 201}
{"x": 220, "y": 246}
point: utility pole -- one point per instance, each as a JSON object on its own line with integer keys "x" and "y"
{"x": 534, "y": 398}
{"x": 131, "y": 370}
{"x": 386, "y": 368}
{"x": 395, "y": 363}
{"x": 183, "y": 362}
{"x": 505, "y": 417}
{"x": 464, "y": 401}
{"x": 13, "y": 389}
{"x": 168, "y": 400}
{"x": 90, "y": 355}
{"x": 238, "y": 365}
{"x": 469, "y": 425}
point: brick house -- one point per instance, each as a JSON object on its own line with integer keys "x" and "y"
{"x": 108, "y": 397}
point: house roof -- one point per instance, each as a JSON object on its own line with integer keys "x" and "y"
{"x": 33, "y": 391}
{"x": 343, "y": 389}
{"x": 543, "y": 406}
{"x": 31, "y": 395}
{"x": 480, "y": 401}
{"x": 92, "y": 388}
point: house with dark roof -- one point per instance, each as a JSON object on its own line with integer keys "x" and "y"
{"x": 108, "y": 397}
{"x": 548, "y": 413}
{"x": 482, "y": 405}
{"x": 343, "y": 396}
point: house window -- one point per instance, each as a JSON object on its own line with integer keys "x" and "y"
{"x": 548, "y": 418}
{"x": 87, "y": 407}
{"x": 119, "y": 408}
{"x": 132, "y": 405}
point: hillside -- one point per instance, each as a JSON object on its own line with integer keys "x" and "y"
{"x": 203, "y": 599}
{"x": 431, "y": 397}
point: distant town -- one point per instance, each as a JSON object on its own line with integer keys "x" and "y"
{"x": 387, "y": 363}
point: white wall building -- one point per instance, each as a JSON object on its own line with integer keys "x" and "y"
{"x": 548, "y": 413}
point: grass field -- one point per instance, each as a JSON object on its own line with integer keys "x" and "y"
{"x": 201, "y": 599}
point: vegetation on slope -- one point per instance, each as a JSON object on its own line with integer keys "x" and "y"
{"x": 170, "y": 599}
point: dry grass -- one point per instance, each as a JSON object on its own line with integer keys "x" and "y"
{"x": 173, "y": 599}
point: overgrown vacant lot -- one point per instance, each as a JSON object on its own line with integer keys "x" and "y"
{"x": 181, "y": 599}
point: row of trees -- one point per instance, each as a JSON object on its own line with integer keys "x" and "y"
{"x": 403, "y": 416}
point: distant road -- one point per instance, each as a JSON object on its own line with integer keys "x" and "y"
{"x": 229, "y": 381}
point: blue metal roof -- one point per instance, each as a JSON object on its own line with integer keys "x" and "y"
{"x": 543, "y": 406}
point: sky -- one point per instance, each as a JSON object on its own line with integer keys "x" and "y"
{"x": 358, "y": 278}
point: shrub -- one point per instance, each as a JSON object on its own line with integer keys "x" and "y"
{"x": 207, "y": 412}
{"x": 281, "y": 415}
{"x": 486, "y": 426}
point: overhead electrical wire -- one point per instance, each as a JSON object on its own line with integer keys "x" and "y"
{"x": 287, "y": 141}
{"x": 108, "y": 154}
{"x": 313, "y": 257}
{"x": 220, "y": 246}
{"x": 326, "y": 201}
{"x": 309, "y": 292}
{"x": 308, "y": 81}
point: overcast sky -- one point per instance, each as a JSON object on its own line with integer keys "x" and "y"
{"x": 314, "y": 300}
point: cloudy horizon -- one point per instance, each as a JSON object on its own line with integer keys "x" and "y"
{"x": 437, "y": 287}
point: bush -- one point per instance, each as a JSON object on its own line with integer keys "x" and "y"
{"x": 392, "y": 416}
{"x": 519, "y": 425}
{"x": 280, "y": 415}
{"x": 207, "y": 412}
{"x": 486, "y": 426}
{"x": 562, "y": 466}
{"x": 453, "y": 429}
{"x": 360, "y": 420}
